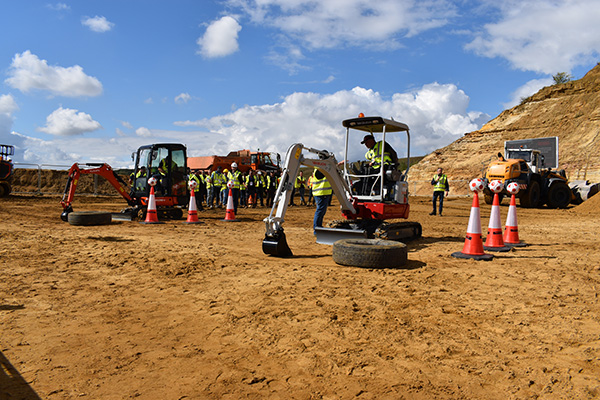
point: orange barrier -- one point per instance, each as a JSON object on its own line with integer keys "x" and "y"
{"x": 473, "y": 247}
{"x": 493, "y": 241}
{"x": 192, "y": 217}
{"x": 230, "y": 211}
{"x": 151, "y": 216}
{"x": 511, "y": 231}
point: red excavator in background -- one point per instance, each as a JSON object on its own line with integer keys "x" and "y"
{"x": 167, "y": 162}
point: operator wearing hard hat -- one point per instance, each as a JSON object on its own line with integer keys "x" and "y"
{"x": 234, "y": 176}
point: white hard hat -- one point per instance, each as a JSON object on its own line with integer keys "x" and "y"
{"x": 233, "y": 165}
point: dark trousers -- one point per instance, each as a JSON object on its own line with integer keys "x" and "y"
{"x": 438, "y": 194}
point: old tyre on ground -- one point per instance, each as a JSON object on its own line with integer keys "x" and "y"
{"x": 89, "y": 218}
{"x": 559, "y": 195}
{"x": 370, "y": 253}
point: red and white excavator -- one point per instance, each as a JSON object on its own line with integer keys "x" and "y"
{"x": 368, "y": 198}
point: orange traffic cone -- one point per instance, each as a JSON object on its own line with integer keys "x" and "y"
{"x": 473, "y": 247}
{"x": 493, "y": 241}
{"x": 511, "y": 231}
{"x": 151, "y": 217}
{"x": 230, "y": 212}
{"x": 192, "y": 217}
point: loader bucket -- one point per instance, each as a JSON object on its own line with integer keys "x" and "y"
{"x": 276, "y": 245}
{"x": 332, "y": 235}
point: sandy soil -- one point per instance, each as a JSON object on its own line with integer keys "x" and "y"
{"x": 179, "y": 311}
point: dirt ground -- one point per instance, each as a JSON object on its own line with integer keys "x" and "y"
{"x": 179, "y": 311}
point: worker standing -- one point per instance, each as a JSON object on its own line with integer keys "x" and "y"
{"x": 272, "y": 184}
{"x": 440, "y": 186}
{"x": 235, "y": 177}
{"x": 216, "y": 178}
{"x": 193, "y": 176}
{"x": 321, "y": 190}
{"x": 260, "y": 188}
{"x": 309, "y": 187}
{"x": 209, "y": 191}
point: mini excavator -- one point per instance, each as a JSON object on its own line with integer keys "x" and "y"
{"x": 165, "y": 161}
{"x": 368, "y": 197}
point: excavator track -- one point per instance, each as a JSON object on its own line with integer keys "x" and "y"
{"x": 398, "y": 231}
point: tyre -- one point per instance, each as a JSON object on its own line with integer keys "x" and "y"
{"x": 370, "y": 253}
{"x": 531, "y": 198}
{"x": 488, "y": 198}
{"x": 86, "y": 218}
{"x": 559, "y": 195}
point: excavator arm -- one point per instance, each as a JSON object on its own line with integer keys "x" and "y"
{"x": 275, "y": 242}
{"x": 103, "y": 170}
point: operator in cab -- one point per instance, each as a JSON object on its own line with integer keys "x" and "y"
{"x": 374, "y": 157}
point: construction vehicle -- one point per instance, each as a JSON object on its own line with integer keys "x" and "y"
{"x": 368, "y": 198}
{"x": 245, "y": 159}
{"x": 6, "y": 169}
{"x": 165, "y": 161}
{"x": 530, "y": 163}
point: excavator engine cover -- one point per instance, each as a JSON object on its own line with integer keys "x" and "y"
{"x": 276, "y": 245}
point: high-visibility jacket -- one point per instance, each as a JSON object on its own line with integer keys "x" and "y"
{"x": 300, "y": 181}
{"x": 374, "y": 155}
{"x": 217, "y": 179}
{"x": 442, "y": 184}
{"x": 320, "y": 187}
{"x": 194, "y": 177}
{"x": 234, "y": 176}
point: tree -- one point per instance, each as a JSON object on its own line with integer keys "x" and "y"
{"x": 562, "y": 77}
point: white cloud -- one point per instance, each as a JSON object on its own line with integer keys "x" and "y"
{"x": 69, "y": 122}
{"x": 58, "y": 7}
{"x": 182, "y": 98}
{"x": 8, "y": 106}
{"x": 531, "y": 87}
{"x": 28, "y": 72}
{"x": 543, "y": 35}
{"x": 97, "y": 24}
{"x": 331, "y": 23}
{"x": 437, "y": 115}
{"x": 143, "y": 132}
{"x": 220, "y": 38}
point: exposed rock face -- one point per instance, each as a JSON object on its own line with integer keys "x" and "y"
{"x": 570, "y": 111}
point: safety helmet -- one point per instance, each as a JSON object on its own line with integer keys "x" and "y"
{"x": 233, "y": 165}
{"x": 225, "y": 170}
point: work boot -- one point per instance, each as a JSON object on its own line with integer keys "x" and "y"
{"x": 432, "y": 213}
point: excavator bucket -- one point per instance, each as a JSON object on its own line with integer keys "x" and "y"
{"x": 332, "y": 235}
{"x": 276, "y": 245}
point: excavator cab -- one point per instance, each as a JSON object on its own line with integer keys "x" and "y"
{"x": 165, "y": 162}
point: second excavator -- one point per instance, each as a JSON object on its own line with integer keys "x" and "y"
{"x": 369, "y": 197}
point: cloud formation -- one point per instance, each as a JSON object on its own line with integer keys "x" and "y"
{"x": 69, "y": 122}
{"x": 220, "y": 38}
{"x": 331, "y": 23}
{"x": 97, "y": 24}
{"x": 437, "y": 115}
{"x": 27, "y": 72}
{"x": 182, "y": 98}
{"x": 542, "y": 36}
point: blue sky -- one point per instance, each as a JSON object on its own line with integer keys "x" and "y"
{"x": 89, "y": 81}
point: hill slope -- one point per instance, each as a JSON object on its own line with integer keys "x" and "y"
{"x": 570, "y": 111}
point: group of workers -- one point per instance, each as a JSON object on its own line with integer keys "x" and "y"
{"x": 248, "y": 189}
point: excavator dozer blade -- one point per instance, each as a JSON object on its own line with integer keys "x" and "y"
{"x": 332, "y": 235}
{"x": 276, "y": 245}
